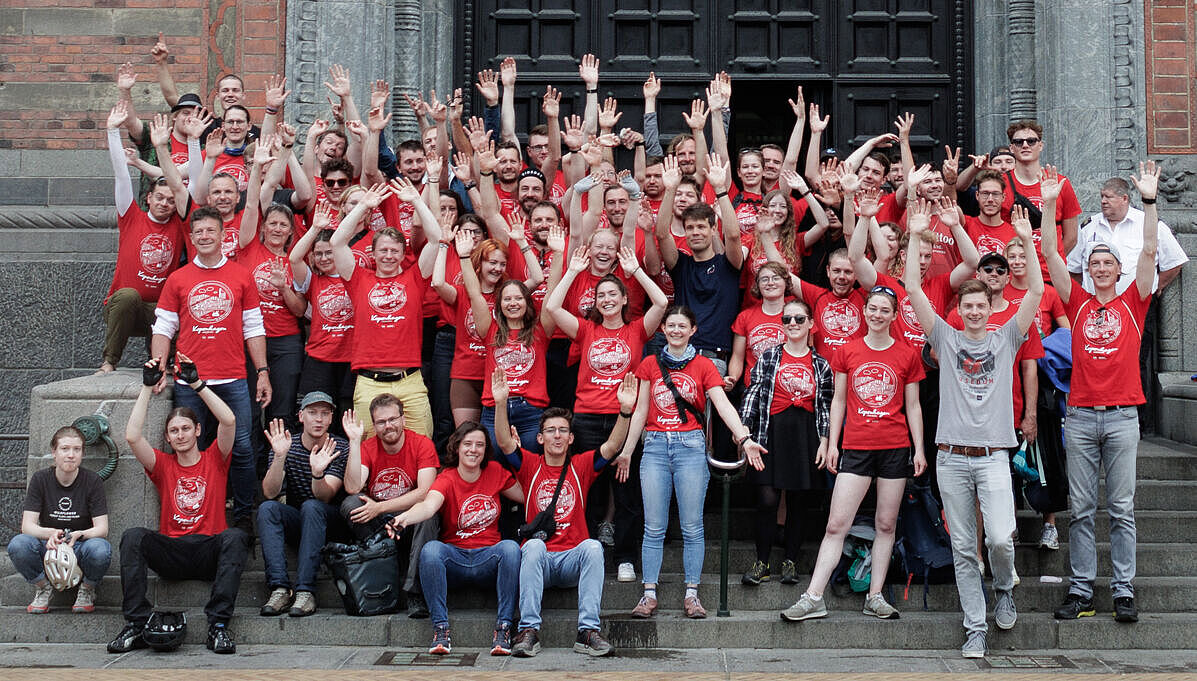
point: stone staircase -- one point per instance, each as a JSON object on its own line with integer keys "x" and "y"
{"x": 1166, "y": 590}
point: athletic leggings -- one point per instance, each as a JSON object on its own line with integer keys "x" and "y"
{"x": 766, "y": 521}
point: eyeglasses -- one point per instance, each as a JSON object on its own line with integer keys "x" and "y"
{"x": 989, "y": 195}
{"x": 538, "y": 147}
{"x": 560, "y": 430}
{"x": 471, "y": 232}
{"x": 990, "y": 269}
{"x": 1025, "y": 142}
{"x": 341, "y": 182}
{"x": 794, "y": 319}
{"x": 772, "y": 279}
{"x": 749, "y": 150}
{"x": 883, "y": 289}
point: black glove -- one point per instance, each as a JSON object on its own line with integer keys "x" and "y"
{"x": 187, "y": 372}
{"x": 151, "y": 373}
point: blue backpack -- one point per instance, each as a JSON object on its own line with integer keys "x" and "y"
{"x": 923, "y": 549}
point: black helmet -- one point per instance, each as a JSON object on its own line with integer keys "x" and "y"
{"x": 165, "y": 631}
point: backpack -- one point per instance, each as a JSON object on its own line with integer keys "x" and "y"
{"x": 922, "y": 545}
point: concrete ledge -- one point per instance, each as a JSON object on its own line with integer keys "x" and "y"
{"x": 1178, "y": 407}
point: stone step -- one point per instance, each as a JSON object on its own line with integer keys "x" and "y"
{"x": 471, "y": 630}
{"x": 1154, "y": 594}
{"x": 1161, "y": 459}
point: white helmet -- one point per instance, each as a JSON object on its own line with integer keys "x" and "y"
{"x": 62, "y": 567}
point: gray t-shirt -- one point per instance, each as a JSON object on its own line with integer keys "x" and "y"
{"x": 976, "y": 380}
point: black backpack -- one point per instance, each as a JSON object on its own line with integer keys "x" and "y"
{"x": 922, "y": 549}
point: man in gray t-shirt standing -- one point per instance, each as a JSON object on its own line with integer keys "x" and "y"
{"x": 976, "y": 427}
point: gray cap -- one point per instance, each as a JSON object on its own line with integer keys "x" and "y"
{"x": 1102, "y": 247}
{"x": 316, "y": 397}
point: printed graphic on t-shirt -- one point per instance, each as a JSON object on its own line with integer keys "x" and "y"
{"x": 875, "y": 385}
{"x": 764, "y": 337}
{"x": 157, "y": 253}
{"x": 543, "y": 494}
{"x": 909, "y": 315}
{"x": 663, "y": 398}
{"x": 209, "y": 303}
{"x": 1102, "y": 327}
{"x": 335, "y": 305}
{"x": 840, "y": 319}
{"x": 387, "y": 298}
{"x": 975, "y": 372}
{"x": 390, "y": 483}
{"x": 269, "y": 295}
{"x": 477, "y": 513}
{"x": 585, "y": 301}
{"x": 189, "y": 498}
{"x": 63, "y": 513}
{"x": 797, "y": 380}
{"x": 987, "y": 243}
{"x": 516, "y": 359}
{"x": 609, "y": 357}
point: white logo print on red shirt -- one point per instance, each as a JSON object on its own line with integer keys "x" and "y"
{"x": 476, "y": 514}
{"x": 210, "y": 301}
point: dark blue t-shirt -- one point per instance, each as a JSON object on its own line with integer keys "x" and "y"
{"x": 711, "y": 289}
{"x": 297, "y": 472}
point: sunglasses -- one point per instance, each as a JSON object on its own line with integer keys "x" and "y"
{"x": 990, "y": 269}
{"x": 883, "y": 289}
{"x": 1025, "y": 142}
{"x": 794, "y": 319}
{"x": 343, "y": 182}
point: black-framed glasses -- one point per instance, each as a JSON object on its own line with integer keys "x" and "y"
{"x": 794, "y": 319}
{"x": 1025, "y": 142}
{"x": 883, "y": 289}
{"x": 990, "y": 269}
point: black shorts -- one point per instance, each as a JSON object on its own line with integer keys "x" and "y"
{"x": 891, "y": 464}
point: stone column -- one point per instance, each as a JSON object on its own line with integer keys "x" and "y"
{"x": 424, "y": 54}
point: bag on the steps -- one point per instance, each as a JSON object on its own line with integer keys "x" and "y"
{"x": 1038, "y": 495}
{"x": 368, "y": 575}
{"x": 922, "y": 541}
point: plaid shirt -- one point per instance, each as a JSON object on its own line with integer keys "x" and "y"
{"x": 754, "y": 409}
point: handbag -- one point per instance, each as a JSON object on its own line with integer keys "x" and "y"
{"x": 368, "y": 575}
{"x": 544, "y": 524}
{"x": 1037, "y": 494}
{"x": 1033, "y": 213}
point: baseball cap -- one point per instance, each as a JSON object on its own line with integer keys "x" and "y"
{"x": 1102, "y": 247}
{"x": 316, "y": 397}
{"x": 994, "y": 257}
{"x": 187, "y": 101}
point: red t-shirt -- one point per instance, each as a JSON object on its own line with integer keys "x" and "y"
{"x": 760, "y": 331}
{"x": 875, "y": 417}
{"x": 388, "y": 322}
{"x": 1050, "y": 307}
{"x": 393, "y": 475}
{"x": 906, "y": 327}
{"x": 469, "y": 351}
{"x": 191, "y": 497}
{"x": 230, "y": 239}
{"x": 331, "y": 337}
{"x": 147, "y": 252}
{"x": 692, "y": 382}
{"x": 235, "y": 166}
{"x": 989, "y": 239}
{"x": 795, "y": 384}
{"x": 539, "y": 479}
{"x": 890, "y": 211}
{"x": 580, "y": 297}
{"x": 178, "y": 153}
{"x": 210, "y": 303}
{"x": 607, "y": 356}
{"x": 470, "y": 514}
{"x": 524, "y": 365}
{"x": 1105, "y": 348}
{"x": 1067, "y": 206}
{"x": 837, "y": 320}
{"x": 1032, "y": 348}
{"x": 277, "y": 317}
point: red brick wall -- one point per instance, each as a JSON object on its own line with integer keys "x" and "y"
{"x": 1171, "y": 60}
{"x": 44, "y": 47}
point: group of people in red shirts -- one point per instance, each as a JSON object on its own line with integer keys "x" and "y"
{"x": 548, "y": 329}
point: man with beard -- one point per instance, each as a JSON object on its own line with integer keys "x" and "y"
{"x": 386, "y": 475}
{"x": 149, "y": 241}
{"x": 838, "y": 311}
{"x": 225, "y": 150}
{"x": 307, "y": 468}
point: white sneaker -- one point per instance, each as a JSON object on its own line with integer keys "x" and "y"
{"x": 626, "y": 573}
{"x": 1017, "y": 580}
{"x": 41, "y": 600}
{"x": 1050, "y": 539}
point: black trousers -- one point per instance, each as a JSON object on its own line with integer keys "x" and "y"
{"x": 590, "y": 432}
{"x": 217, "y": 558}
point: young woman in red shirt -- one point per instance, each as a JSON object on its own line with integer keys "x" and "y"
{"x": 758, "y": 327}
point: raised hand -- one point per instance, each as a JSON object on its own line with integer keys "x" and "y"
{"x": 671, "y": 175}
{"x": 317, "y": 128}
{"x": 652, "y": 86}
{"x": 462, "y": 167}
{"x": 375, "y": 121}
{"x": 373, "y": 196}
{"x": 868, "y": 202}
{"x": 403, "y": 188}
{"x": 550, "y": 104}
{"x": 715, "y": 98}
{"x": 979, "y": 161}
{"x": 793, "y": 180}
{"x": 884, "y": 140}
{"x": 278, "y": 273}
{"x": 322, "y": 216}
{"x": 592, "y": 152}
{"x": 628, "y": 262}
{"x": 263, "y": 152}
{"x": 286, "y": 135}
{"x": 279, "y": 438}
{"x": 798, "y": 105}
{"x": 419, "y": 108}
{"x": 464, "y": 243}
{"x": 160, "y": 131}
{"x": 380, "y": 93}
{"x": 322, "y": 456}
{"x": 151, "y": 373}
{"x": 628, "y": 392}
{"x": 607, "y": 139}
{"x": 118, "y": 115}
{"x": 951, "y": 165}
{"x": 214, "y": 145}
{"x": 476, "y": 130}
{"x": 340, "y": 86}
{"x": 187, "y": 369}
{"x": 487, "y": 161}
{"x": 1049, "y": 183}
{"x": 573, "y": 135}
{"x": 160, "y": 52}
{"x": 358, "y": 129}
{"x": 517, "y": 226}
{"x": 498, "y": 385}
{"x": 580, "y": 260}
{"x": 916, "y": 176}
{"x": 697, "y": 118}
{"x": 849, "y": 181}
{"x": 918, "y": 216}
{"x": 718, "y": 172}
{"x": 352, "y": 427}
{"x": 904, "y": 123}
{"x": 488, "y": 86}
{"x": 507, "y": 72}
{"x": 949, "y": 212}
{"x": 433, "y": 166}
{"x": 276, "y": 91}
{"x": 609, "y": 115}
{"x": 437, "y": 109}
{"x": 818, "y": 124}
{"x": 126, "y": 76}
{"x": 456, "y": 105}
{"x": 588, "y": 71}
{"x": 556, "y": 240}
{"x": 1021, "y": 221}
{"x": 1148, "y": 180}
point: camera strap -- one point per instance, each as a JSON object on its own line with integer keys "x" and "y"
{"x": 683, "y": 405}
{"x": 552, "y": 507}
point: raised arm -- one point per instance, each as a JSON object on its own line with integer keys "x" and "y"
{"x": 696, "y": 120}
{"x": 126, "y": 78}
{"x": 879, "y": 142}
{"x": 626, "y": 394}
{"x": 624, "y": 461}
{"x": 355, "y": 472}
{"x": 253, "y": 191}
{"x": 405, "y": 191}
{"x": 509, "y": 446}
{"x": 550, "y": 106}
{"x": 720, "y": 176}
{"x": 1028, "y": 308}
{"x": 151, "y": 376}
{"x": 716, "y": 101}
{"x": 123, "y": 184}
{"x": 951, "y": 215}
{"x": 226, "y": 422}
{"x": 554, "y": 301}
{"x": 671, "y": 177}
{"x": 507, "y": 74}
{"x": 1148, "y": 183}
{"x": 469, "y": 280}
{"x": 444, "y": 289}
{"x": 166, "y": 83}
{"x": 652, "y": 133}
{"x": 588, "y": 71}
{"x": 342, "y": 254}
{"x": 321, "y": 219}
{"x": 814, "y": 148}
{"x": 794, "y": 147}
{"x": 918, "y": 220}
{"x": 1057, "y": 268}
{"x": 160, "y": 138}
{"x": 279, "y": 439}
{"x": 376, "y": 122}
{"x": 655, "y": 314}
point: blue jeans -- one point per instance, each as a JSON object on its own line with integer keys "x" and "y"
{"x": 443, "y": 564}
{"x": 305, "y": 527}
{"x": 963, "y": 480}
{"x": 524, "y": 416}
{"x": 673, "y": 463}
{"x": 1097, "y": 439}
{"x": 243, "y": 478}
{"x": 26, "y": 553}
{"x": 581, "y": 566}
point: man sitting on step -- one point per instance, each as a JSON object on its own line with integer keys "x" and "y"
{"x": 563, "y": 555}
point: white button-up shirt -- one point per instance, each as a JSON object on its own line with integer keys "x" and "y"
{"x": 1127, "y": 236}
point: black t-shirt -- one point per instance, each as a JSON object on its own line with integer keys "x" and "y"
{"x": 66, "y": 508}
{"x": 711, "y": 289}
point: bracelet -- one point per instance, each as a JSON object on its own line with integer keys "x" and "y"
{"x": 202, "y": 385}
{"x": 317, "y": 477}
{"x": 444, "y": 244}
{"x": 471, "y": 185}
{"x": 720, "y": 195}
{"x": 433, "y": 179}
{"x": 271, "y": 110}
{"x": 262, "y": 370}
{"x": 1148, "y": 202}
{"x": 487, "y": 173}
{"x": 744, "y": 439}
{"x": 639, "y": 144}
{"x": 626, "y": 416}
{"x": 572, "y": 150}
{"x": 288, "y": 146}
{"x": 633, "y": 272}
{"x": 463, "y": 257}
{"x": 592, "y": 92}
{"x": 525, "y": 248}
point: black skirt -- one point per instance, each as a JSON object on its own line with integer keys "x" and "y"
{"x": 790, "y": 463}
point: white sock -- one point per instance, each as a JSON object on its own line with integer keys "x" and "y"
{"x": 691, "y": 591}
{"x": 651, "y": 593}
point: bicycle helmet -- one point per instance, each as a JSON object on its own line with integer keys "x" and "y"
{"x": 62, "y": 567}
{"x": 165, "y": 631}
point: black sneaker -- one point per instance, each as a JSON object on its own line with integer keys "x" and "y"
{"x": 592, "y": 643}
{"x": 129, "y": 639}
{"x": 1125, "y": 610}
{"x": 442, "y": 644}
{"x": 527, "y": 643}
{"x": 220, "y": 640}
{"x": 501, "y": 643}
{"x": 759, "y": 572}
{"x": 417, "y": 609}
{"x": 1075, "y": 606}
{"x": 789, "y": 572}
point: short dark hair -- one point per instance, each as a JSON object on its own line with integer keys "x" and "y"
{"x": 653, "y": 161}
{"x": 546, "y": 204}
{"x": 990, "y": 175}
{"x": 882, "y": 159}
{"x": 555, "y": 413}
{"x": 699, "y": 211}
{"x": 334, "y": 131}
{"x": 542, "y": 130}
{"x": 973, "y": 286}
{"x": 414, "y": 146}
{"x": 234, "y": 77}
{"x": 683, "y": 311}
{"x": 333, "y": 165}
{"x": 456, "y": 200}
{"x": 449, "y": 460}
{"x": 1024, "y": 124}
{"x": 238, "y": 107}
{"x": 385, "y": 400}
{"x": 506, "y": 144}
{"x": 66, "y": 431}
{"x": 205, "y": 213}
{"x": 773, "y": 147}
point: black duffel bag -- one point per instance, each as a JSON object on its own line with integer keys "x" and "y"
{"x": 368, "y": 575}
